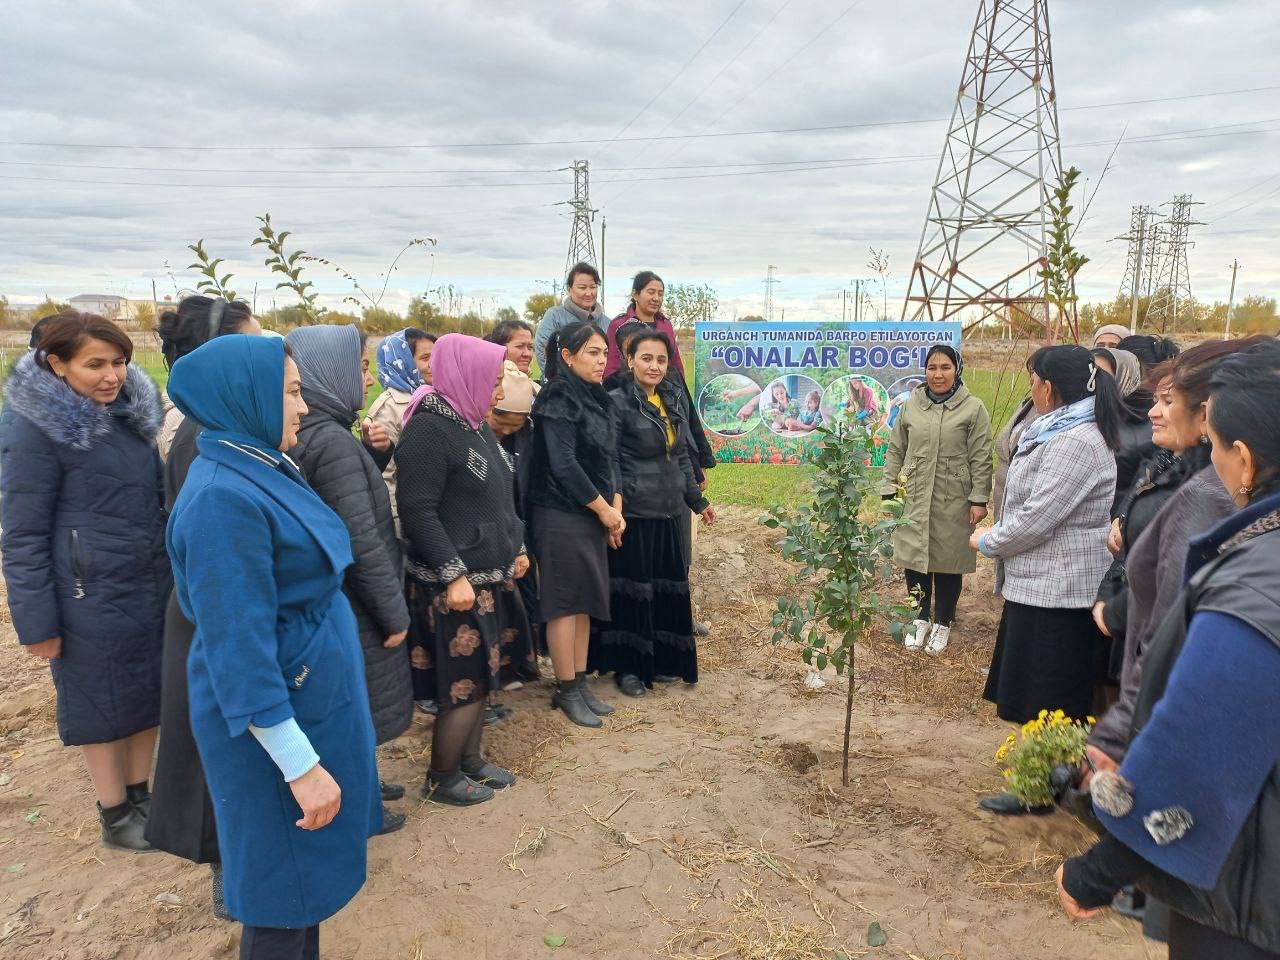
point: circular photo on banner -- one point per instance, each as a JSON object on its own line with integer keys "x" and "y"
{"x": 864, "y": 396}
{"x": 899, "y": 394}
{"x": 728, "y": 405}
{"x": 791, "y": 406}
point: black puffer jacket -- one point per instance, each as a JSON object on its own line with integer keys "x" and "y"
{"x": 339, "y": 469}
{"x": 655, "y": 480}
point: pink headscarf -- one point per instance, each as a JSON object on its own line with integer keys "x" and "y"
{"x": 464, "y": 371}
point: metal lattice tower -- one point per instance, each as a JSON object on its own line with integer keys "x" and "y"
{"x": 1143, "y": 237}
{"x": 769, "y": 282}
{"x": 582, "y": 248}
{"x": 1172, "y": 286}
{"x": 985, "y": 236}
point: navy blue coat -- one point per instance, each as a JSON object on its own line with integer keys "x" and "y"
{"x": 82, "y": 512}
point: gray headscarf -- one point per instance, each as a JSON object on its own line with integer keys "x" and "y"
{"x": 1128, "y": 370}
{"x": 328, "y": 357}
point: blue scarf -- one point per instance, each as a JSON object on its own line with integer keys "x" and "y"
{"x": 396, "y": 367}
{"x": 1045, "y": 428}
{"x": 328, "y": 357}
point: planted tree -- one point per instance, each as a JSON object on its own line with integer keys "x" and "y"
{"x": 287, "y": 264}
{"x": 210, "y": 284}
{"x": 1064, "y": 260}
{"x": 843, "y": 537}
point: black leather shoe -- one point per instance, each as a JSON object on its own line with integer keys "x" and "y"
{"x": 631, "y": 685}
{"x": 457, "y": 790}
{"x": 665, "y": 678}
{"x": 123, "y": 828}
{"x": 391, "y": 791}
{"x": 391, "y": 821}
{"x": 570, "y": 700}
{"x": 1007, "y": 805}
{"x": 594, "y": 703}
{"x": 488, "y": 774}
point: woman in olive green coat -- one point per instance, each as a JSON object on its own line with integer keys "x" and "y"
{"x": 942, "y": 444}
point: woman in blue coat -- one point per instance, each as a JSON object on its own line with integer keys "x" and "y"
{"x": 278, "y": 702}
{"x": 82, "y": 513}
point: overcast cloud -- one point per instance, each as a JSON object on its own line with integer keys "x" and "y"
{"x": 201, "y": 77}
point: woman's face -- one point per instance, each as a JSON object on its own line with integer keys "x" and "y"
{"x": 1233, "y": 463}
{"x": 520, "y": 350}
{"x": 1184, "y": 422}
{"x": 589, "y": 362}
{"x": 366, "y": 376}
{"x": 422, "y": 358}
{"x": 498, "y": 392}
{"x": 251, "y": 327}
{"x": 97, "y": 370}
{"x": 583, "y": 290}
{"x": 1107, "y": 341}
{"x": 504, "y": 423}
{"x": 649, "y": 364}
{"x": 295, "y": 408}
{"x": 941, "y": 373}
{"x": 649, "y": 300}
{"x": 1162, "y": 434}
{"x": 1042, "y": 394}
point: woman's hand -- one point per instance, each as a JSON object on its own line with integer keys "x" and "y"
{"x": 49, "y": 649}
{"x": 375, "y": 435}
{"x": 976, "y": 515}
{"x": 459, "y": 595}
{"x": 522, "y": 565}
{"x": 611, "y": 518}
{"x": 1095, "y": 761}
{"x": 1098, "y": 618}
{"x": 1069, "y": 904}
{"x": 615, "y": 540}
{"x": 395, "y": 639}
{"x": 973, "y": 540}
{"x": 709, "y": 515}
{"x": 1115, "y": 539}
{"x": 319, "y": 796}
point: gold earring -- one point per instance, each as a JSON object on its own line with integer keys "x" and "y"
{"x": 1245, "y": 491}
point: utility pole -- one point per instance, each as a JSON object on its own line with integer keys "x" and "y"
{"x": 604, "y": 225}
{"x": 1231, "y": 299}
{"x": 769, "y": 282}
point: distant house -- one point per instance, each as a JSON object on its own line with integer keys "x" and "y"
{"x": 104, "y": 304}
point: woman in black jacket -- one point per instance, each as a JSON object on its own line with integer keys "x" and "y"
{"x": 457, "y": 514}
{"x": 82, "y": 512}
{"x": 650, "y": 636}
{"x": 335, "y": 377}
{"x": 575, "y": 509}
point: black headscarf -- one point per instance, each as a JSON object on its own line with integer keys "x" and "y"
{"x": 950, "y": 353}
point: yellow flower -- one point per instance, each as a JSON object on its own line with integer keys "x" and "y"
{"x": 1090, "y": 720}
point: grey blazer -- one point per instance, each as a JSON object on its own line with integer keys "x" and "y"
{"x": 1050, "y": 544}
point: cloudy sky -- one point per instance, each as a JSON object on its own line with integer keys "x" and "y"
{"x": 129, "y": 129}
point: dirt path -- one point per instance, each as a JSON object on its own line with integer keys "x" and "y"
{"x": 703, "y": 822}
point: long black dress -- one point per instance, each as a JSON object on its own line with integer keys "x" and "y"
{"x": 181, "y": 817}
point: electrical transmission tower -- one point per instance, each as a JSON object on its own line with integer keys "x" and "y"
{"x": 769, "y": 282}
{"x": 985, "y": 237}
{"x": 582, "y": 248}
{"x": 1171, "y": 288}
{"x": 1142, "y": 239}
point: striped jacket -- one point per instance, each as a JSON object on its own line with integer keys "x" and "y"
{"x": 1050, "y": 544}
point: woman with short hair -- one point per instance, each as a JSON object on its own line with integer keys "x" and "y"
{"x": 82, "y": 513}
{"x": 517, "y": 337}
{"x": 580, "y": 305}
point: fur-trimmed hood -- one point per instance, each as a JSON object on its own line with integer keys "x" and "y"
{"x": 67, "y": 418}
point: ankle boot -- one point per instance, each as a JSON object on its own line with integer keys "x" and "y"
{"x": 123, "y": 827}
{"x": 219, "y": 904}
{"x": 487, "y": 774}
{"x": 568, "y": 697}
{"x": 594, "y": 703}
{"x": 139, "y": 797}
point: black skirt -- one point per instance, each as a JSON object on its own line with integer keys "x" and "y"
{"x": 1044, "y": 659}
{"x": 651, "y": 632}
{"x": 573, "y": 564}
{"x": 181, "y": 818}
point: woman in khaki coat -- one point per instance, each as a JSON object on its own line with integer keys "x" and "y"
{"x": 941, "y": 446}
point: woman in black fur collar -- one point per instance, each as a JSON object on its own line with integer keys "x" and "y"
{"x": 84, "y": 558}
{"x": 575, "y": 509}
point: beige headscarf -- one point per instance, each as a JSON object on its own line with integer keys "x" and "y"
{"x": 1128, "y": 370}
{"x": 517, "y": 389}
{"x": 1115, "y": 329}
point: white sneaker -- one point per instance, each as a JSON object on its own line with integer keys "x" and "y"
{"x": 918, "y": 634}
{"x": 938, "y": 639}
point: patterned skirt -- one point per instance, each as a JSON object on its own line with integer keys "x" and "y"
{"x": 459, "y": 656}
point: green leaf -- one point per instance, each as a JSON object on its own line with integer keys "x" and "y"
{"x": 555, "y": 941}
{"x": 876, "y": 937}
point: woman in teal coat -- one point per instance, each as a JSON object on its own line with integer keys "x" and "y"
{"x": 278, "y": 702}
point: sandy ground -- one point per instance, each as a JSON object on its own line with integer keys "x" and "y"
{"x": 702, "y": 822}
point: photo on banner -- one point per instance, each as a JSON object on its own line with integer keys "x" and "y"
{"x": 765, "y": 390}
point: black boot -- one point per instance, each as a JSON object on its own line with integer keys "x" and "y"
{"x": 1007, "y": 805}
{"x": 454, "y": 789}
{"x": 391, "y": 821}
{"x": 123, "y": 828}
{"x": 488, "y": 774}
{"x": 594, "y": 703}
{"x": 391, "y": 791}
{"x": 568, "y": 697}
{"x": 219, "y": 904}
{"x": 631, "y": 685}
{"x": 139, "y": 797}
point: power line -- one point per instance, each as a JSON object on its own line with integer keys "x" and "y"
{"x": 643, "y": 139}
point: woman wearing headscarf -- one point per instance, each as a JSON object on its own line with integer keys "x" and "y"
{"x": 181, "y": 820}
{"x": 575, "y": 510}
{"x": 457, "y": 513}
{"x": 1109, "y": 335}
{"x": 1136, "y": 446}
{"x": 340, "y": 469}
{"x": 1050, "y": 546}
{"x": 404, "y": 365}
{"x": 278, "y": 701}
{"x": 942, "y": 442}
{"x": 1192, "y": 815}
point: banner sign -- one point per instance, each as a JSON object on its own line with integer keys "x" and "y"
{"x": 763, "y": 389}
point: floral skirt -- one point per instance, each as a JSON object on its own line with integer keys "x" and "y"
{"x": 459, "y": 656}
